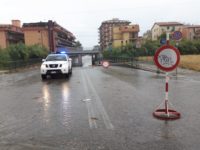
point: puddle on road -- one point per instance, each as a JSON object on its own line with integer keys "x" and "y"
{"x": 36, "y": 98}
{"x": 94, "y": 118}
{"x": 165, "y": 131}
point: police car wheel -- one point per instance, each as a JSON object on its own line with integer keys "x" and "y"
{"x": 70, "y": 72}
{"x": 43, "y": 77}
{"x": 66, "y": 75}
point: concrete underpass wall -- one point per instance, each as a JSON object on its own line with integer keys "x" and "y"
{"x": 76, "y": 61}
{"x": 90, "y": 59}
{"x": 87, "y": 60}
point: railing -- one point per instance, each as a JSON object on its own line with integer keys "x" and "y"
{"x": 125, "y": 61}
{"x": 12, "y": 65}
{"x": 133, "y": 62}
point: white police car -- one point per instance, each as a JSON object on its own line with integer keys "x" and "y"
{"x": 56, "y": 64}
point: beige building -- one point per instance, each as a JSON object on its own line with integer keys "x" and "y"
{"x": 123, "y": 35}
{"x": 11, "y": 34}
{"x": 162, "y": 27}
{"x": 191, "y": 32}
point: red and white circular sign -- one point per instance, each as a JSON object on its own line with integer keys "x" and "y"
{"x": 167, "y": 58}
{"x": 105, "y": 64}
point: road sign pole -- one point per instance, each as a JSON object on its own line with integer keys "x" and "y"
{"x": 166, "y": 58}
{"x": 167, "y": 95}
{"x": 167, "y": 84}
{"x": 167, "y": 38}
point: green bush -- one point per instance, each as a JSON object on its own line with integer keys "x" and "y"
{"x": 37, "y": 51}
{"x": 189, "y": 47}
{"x": 21, "y": 52}
{"x": 4, "y": 58}
{"x": 149, "y": 48}
{"x": 18, "y": 52}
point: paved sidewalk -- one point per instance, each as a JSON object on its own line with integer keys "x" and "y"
{"x": 4, "y": 71}
{"x": 179, "y": 71}
{"x": 20, "y": 69}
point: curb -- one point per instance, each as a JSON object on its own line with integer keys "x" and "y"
{"x": 4, "y": 72}
{"x": 19, "y": 69}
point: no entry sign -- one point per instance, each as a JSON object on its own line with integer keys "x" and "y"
{"x": 167, "y": 58}
{"x": 105, "y": 64}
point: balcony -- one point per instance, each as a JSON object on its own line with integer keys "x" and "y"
{"x": 133, "y": 28}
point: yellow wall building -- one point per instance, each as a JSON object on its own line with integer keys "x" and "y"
{"x": 36, "y": 37}
{"x": 48, "y": 34}
{"x": 3, "y": 39}
{"x": 123, "y": 35}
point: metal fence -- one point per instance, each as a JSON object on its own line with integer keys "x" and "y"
{"x": 133, "y": 62}
{"x": 146, "y": 63}
{"x": 12, "y": 65}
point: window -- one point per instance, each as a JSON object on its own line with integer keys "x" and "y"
{"x": 56, "y": 58}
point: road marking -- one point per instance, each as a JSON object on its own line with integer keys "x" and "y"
{"x": 86, "y": 100}
{"x": 99, "y": 103}
{"x": 91, "y": 114}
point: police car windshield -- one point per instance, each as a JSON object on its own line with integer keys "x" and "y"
{"x": 56, "y": 58}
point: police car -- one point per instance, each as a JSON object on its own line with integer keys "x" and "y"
{"x": 56, "y": 64}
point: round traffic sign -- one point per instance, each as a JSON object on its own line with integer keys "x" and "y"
{"x": 167, "y": 58}
{"x": 105, "y": 64}
{"x": 177, "y": 35}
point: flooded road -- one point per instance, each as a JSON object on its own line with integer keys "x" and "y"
{"x": 97, "y": 109}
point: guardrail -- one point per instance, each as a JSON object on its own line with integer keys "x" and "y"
{"x": 13, "y": 65}
{"x": 134, "y": 62}
{"x": 124, "y": 61}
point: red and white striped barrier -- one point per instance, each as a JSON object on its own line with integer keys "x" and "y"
{"x": 167, "y": 59}
{"x": 166, "y": 113}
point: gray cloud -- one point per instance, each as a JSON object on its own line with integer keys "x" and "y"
{"x": 83, "y": 17}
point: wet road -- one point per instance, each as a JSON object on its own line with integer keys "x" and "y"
{"x": 97, "y": 109}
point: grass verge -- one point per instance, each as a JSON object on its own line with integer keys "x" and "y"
{"x": 191, "y": 62}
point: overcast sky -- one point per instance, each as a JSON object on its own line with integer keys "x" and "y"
{"x": 83, "y": 17}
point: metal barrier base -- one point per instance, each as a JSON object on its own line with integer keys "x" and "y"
{"x": 162, "y": 115}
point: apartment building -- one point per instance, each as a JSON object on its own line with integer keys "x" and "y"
{"x": 162, "y": 27}
{"x": 191, "y": 32}
{"x": 125, "y": 34}
{"x": 49, "y": 34}
{"x": 106, "y": 31}
{"x": 11, "y": 34}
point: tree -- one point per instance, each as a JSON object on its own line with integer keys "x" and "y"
{"x": 37, "y": 51}
{"x": 78, "y": 44}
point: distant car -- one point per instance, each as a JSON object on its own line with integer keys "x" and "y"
{"x": 56, "y": 64}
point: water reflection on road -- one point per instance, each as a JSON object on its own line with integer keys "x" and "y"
{"x": 66, "y": 107}
{"x": 51, "y": 114}
{"x": 56, "y": 96}
{"x": 46, "y": 101}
